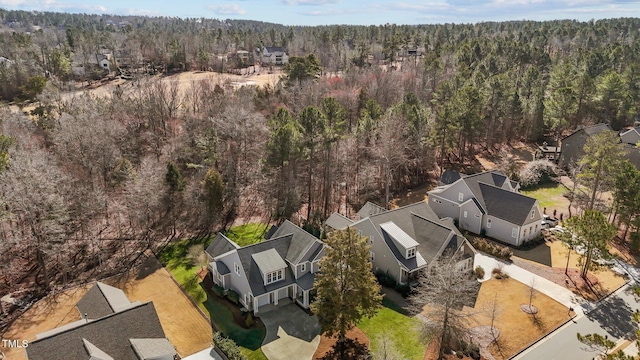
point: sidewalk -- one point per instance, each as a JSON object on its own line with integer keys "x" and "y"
{"x": 544, "y": 286}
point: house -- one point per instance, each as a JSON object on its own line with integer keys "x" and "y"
{"x": 631, "y": 136}
{"x": 407, "y": 240}
{"x": 369, "y": 209}
{"x": 546, "y": 151}
{"x": 572, "y": 146}
{"x": 5, "y": 62}
{"x": 111, "y": 327}
{"x": 274, "y": 55}
{"x": 280, "y": 267}
{"x": 489, "y": 203}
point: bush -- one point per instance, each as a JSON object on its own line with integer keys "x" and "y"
{"x": 501, "y": 252}
{"x": 539, "y": 172}
{"x": 218, "y": 290}
{"x": 233, "y": 296}
{"x": 479, "y": 271}
{"x": 228, "y": 347}
{"x": 499, "y": 274}
{"x": 386, "y": 279}
{"x": 403, "y": 289}
{"x": 249, "y": 320}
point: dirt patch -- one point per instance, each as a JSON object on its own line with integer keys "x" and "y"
{"x": 184, "y": 325}
{"x": 327, "y": 343}
{"x": 517, "y": 328}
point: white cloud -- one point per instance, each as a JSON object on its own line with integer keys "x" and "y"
{"x": 227, "y": 9}
{"x": 12, "y": 2}
{"x": 310, "y": 2}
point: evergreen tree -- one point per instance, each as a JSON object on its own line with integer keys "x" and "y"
{"x": 591, "y": 232}
{"x": 173, "y": 178}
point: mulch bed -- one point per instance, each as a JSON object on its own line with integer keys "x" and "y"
{"x": 327, "y": 343}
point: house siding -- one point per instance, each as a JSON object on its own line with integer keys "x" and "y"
{"x": 572, "y": 148}
{"x": 238, "y": 283}
{"x": 532, "y": 226}
{"x": 384, "y": 259}
{"x": 446, "y": 207}
{"x": 502, "y": 230}
{"x": 630, "y": 137}
{"x": 473, "y": 221}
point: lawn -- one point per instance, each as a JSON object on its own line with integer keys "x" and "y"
{"x": 549, "y": 196}
{"x": 183, "y": 259}
{"x": 401, "y": 329}
{"x": 247, "y": 234}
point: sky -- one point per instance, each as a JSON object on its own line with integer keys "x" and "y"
{"x": 355, "y": 12}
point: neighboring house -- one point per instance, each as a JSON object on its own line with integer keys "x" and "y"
{"x": 489, "y": 203}
{"x": 407, "y": 240}
{"x": 274, "y": 55}
{"x": 111, "y": 328}
{"x": 369, "y": 209}
{"x": 545, "y": 151}
{"x": 5, "y": 62}
{"x": 631, "y": 136}
{"x": 280, "y": 267}
{"x": 572, "y": 146}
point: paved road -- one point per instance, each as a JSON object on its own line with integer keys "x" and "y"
{"x": 612, "y": 317}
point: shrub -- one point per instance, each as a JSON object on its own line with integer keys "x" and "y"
{"x": 501, "y": 252}
{"x": 233, "y": 296}
{"x": 498, "y": 273}
{"x": 479, "y": 271}
{"x": 218, "y": 290}
{"x": 386, "y": 279}
{"x": 249, "y": 320}
{"x": 403, "y": 289}
{"x": 228, "y": 347}
{"x": 539, "y": 172}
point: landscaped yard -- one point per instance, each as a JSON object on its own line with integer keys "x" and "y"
{"x": 183, "y": 259}
{"x": 402, "y": 330}
{"x": 550, "y": 196}
{"x": 247, "y": 234}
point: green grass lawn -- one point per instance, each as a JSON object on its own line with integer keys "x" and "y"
{"x": 181, "y": 260}
{"x": 401, "y": 329}
{"x": 549, "y": 196}
{"x": 247, "y": 234}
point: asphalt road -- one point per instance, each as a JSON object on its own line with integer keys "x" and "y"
{"x": 612, "y": 317}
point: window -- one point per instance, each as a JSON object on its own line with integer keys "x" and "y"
{"x": 274, "y": 276}
{"x": 464, "y": 214}
{"x": 533, "y": 213}
{"x": 514, "y": 232}
{"x": 411, "y": 253}
{"x": 460, "y": 196}
{"x": 372, "y": 255}
{"x": 371, "y": 240}
{"x": 303, "y": 267}
{"x": 476, "y": 215}
{"x": 438, "y": 201}
{"x": 488, "y": 223}
{"x": 360, "y": 232}
{"x": 236, "y": 268}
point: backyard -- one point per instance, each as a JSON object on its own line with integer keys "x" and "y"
{"x": 550, "y": 196}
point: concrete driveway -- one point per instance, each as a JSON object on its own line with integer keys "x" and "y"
{"x": 291, "y": 333}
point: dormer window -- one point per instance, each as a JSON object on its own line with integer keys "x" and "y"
{"x": 303, "y": 267}
{"x": 275, "y": 276}
{"x": 533, "y": 213}
{"x": 460, "y": 196}
{"x": 411, "y": 253}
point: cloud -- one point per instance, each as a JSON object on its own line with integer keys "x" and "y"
{"x": 310, "y": 2}
{"x": 227, "y": 9}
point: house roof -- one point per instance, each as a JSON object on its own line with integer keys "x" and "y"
{"x": 591, "y": 130}
{"x": 488, "y": 177}
{"x": 370, "y": 209}
{"x": 153, "y": 348}
{"x": 274, "y": 49}
{"x": 506, "y": 205}
{"x": 306, "y": 281}
{"x": 631, "y": 136}
{"x": 221, "y": 245}
{"x": 102, "y": 300}
{"x": 95, "y": 352}
{"x": 222, "y": 268}
{"x": 338, "y": 221}
{"x": 110, "y": 334}
{"x": 450, "y": 176}
{"x": 268, "y": 261}
{"x": 410, "y": 264}
{"x": 400, "y": 237}
{"x": 632, "y": 154}
{"x": 301, "y": 241}
{"x": 253, "y": 273}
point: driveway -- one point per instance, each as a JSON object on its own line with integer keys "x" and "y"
{"x": 553, "y": 290}
{"x": 291, "y": 333}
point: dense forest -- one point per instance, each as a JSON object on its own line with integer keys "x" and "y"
{"x": 87, "y": 183}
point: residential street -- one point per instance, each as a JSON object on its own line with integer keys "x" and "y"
{"x": 612, "y": 318}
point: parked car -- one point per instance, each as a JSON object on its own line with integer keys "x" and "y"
{"x": 548, "y": 221}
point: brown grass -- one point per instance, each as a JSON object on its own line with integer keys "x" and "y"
{"x": 517, "y": 328}
{"x": 327, "y": 343}
{"x": 183, "y": 324}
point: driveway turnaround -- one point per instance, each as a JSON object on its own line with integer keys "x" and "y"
{"x": 291, "y": 333}
{"x": 552, "y": 290}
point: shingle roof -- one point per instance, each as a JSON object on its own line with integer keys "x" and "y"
{"x": 110, "y": 334}
{"x": 631, "y": 136}
{"x": 251, "y": 270}
{"x": 268, "y": 261}
{"x": 220, "y": 245}
{"x": 95, "y": 352}
{"x": 370, "y": 209}
{"x": 450, "y": 176}
{"x": 506, "y": 205}
{"x": 400, "y": 237}
{"x": 596, "y": 129}
{"x": 431, "y": 235}
{"x": 632, "y": 154}
{"x": 273, "y": 49}
{"x": 222, "y": 268}
{"x": 301, "y": 241}
{"x": 338, "y": 221}
{"x": 153, "y": 348}
{"x": 102, "y": 300}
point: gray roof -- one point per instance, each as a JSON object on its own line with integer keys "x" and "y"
{"x": 301, "y": 241}
{"x": 251, "y": 270}
{"x": 220, "y": 245}
{"x": 370, "y": 209}
{"x": 306, "y": 281}
{"x": 596, "y": 129}
{"x": 275, "y": 49}
{"x": 95, "y": 352}
{"x": 411, "y": 264}
{"x": 268, "y": 261}
{"x": 102, "y": 300}
{"x": 222, "y": 268}
{"x": 400, "y": 237}
{"x": 338, "y": 221}
{"x": 110, "y": 334}
{"x": 631, "y": 136}
{"x": 450, "y": 176}
{"x": 632, "y": 154}
{"x": 506, "y": 205}
{"x": 153, "y": 348}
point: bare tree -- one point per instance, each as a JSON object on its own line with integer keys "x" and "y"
{"x": 386, "y": 349}
{"x": 445, "y": 289}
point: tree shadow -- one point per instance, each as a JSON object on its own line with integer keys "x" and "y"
{"x": 348, "y": 349}
{"x": 615, "y": 317}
